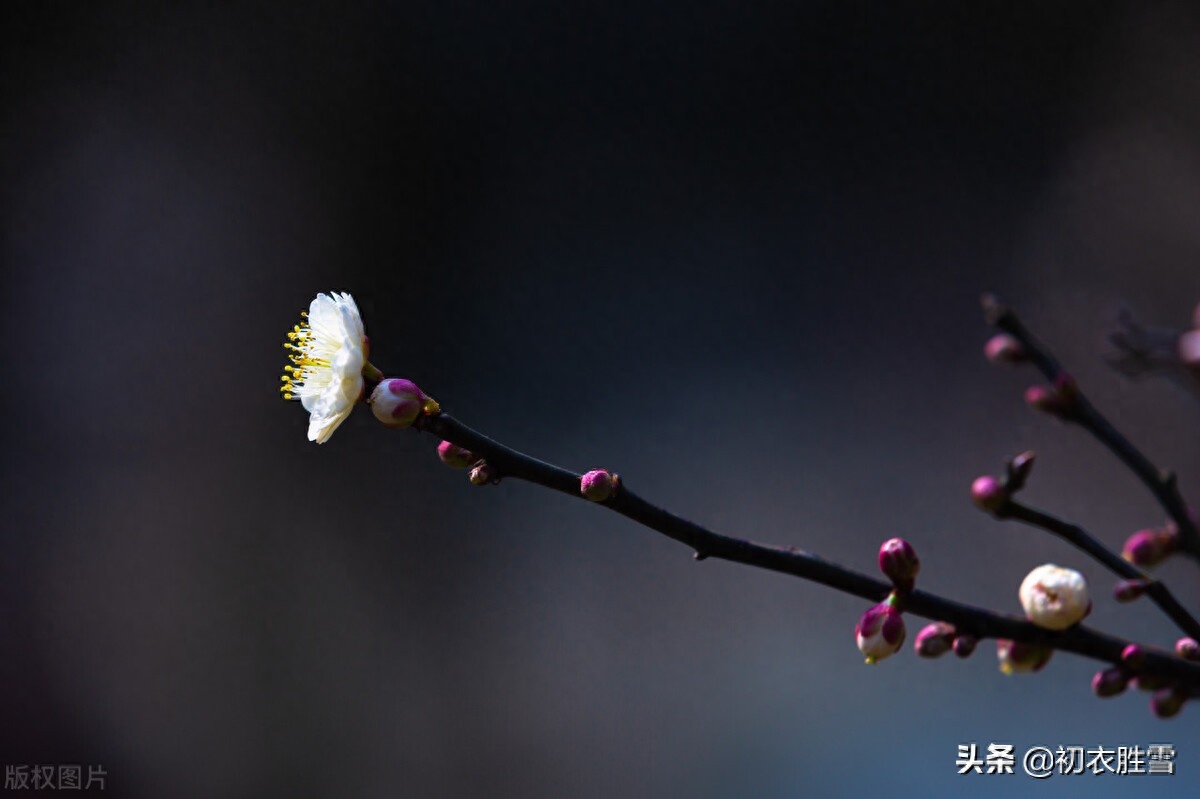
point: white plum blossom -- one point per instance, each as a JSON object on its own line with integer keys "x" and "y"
{"x": 328, "y": 354}
{"x": 1054, "y": 597}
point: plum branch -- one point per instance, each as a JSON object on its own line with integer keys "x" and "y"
{"x": 507, "y": 462}
{"x": 1072, "y": 405}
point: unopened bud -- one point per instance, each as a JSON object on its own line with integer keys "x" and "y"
{"x": 880, "y": 632}
{"x": 1167, "y": 702}
{"x": 964, "y": 645}
{"x": 1187, "y": 648}
{"x": 481, "y": 474}
{"x": 1134, "y": 657}
{"x": 1018, "y": 656}
{"x": 1188, "y": 348}
{"x": 455, "y": 456}
{"x": 1129, "y": 590}
{"x": 1054, "y": 598}
{"x": 397, "y": 402}
{"x": 1019, "y": 469}
{"x": 934, "y": 640}
{"x": 899, "y": 562}
{"x": 1148, "y": 548}
{"x": 596, "y": 485}
{"x": 1003, "y": 348}
{"x": 989, "y": 493}
{"x": 1048, "y": 400}
{"x": 1110, "y": 682}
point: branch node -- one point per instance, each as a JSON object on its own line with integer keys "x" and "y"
{"x": 993, "y": 309}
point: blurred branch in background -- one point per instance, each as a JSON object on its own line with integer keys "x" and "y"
{"x": 1156, "y": 351}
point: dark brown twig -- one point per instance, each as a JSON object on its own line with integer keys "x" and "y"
{"x": 1083, "y": 540}
{"x": 969, "y": 620}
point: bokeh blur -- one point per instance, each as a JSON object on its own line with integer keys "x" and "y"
{"x": 731, "y": 250}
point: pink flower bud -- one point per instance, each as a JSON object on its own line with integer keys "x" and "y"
{"x": 1134, "y": 657}
{"x": 1047, "y": 400}
{"x": 1129, "y": 590}
{"x": 1167, "y": 702}
{"x": 1018, "y": 656}
{"x": 899, "y": 562}
{"x": 989, "y": 493}
{"x": 880, "y": 632}
{"x": 934, "y": 640}
{"x": 1110, "y": 682}
{"x": 964, "y": 645}
{"x": 1148, "y": 548}
{"x": 481, "y": 474}
{"x": 455, "y": 456}
{"x": 1054, "y": 598}
{"x": 596, "y": 485}
{"x": 397, "y": 402}
{"x": 1003, "y": 348}
{"x": 1187, "y": 648}
{"x": 1188, "y": 348}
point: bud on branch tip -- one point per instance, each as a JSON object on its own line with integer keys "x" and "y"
{"x": 989, "y": 494}
{"x": 1003, "y": 348}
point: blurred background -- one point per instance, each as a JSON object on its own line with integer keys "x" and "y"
{"x": 733, "y": 251}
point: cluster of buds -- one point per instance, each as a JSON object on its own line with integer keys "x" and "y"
{"x": 1060, "y": 399}
{"x": 880, "y": 632}
{"x": 481, "y": 472}
{"x": 938, "y": 638}
{"x": 1168, "y": 698}
{"x": 1053, "y": 598}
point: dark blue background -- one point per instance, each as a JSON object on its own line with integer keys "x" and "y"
{"x": 733, "y": 251}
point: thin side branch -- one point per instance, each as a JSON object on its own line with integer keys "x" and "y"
{"x": 969, "y": 620}
{"x": 1076, "y": 535}
{"x": 1161, "y": 483}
